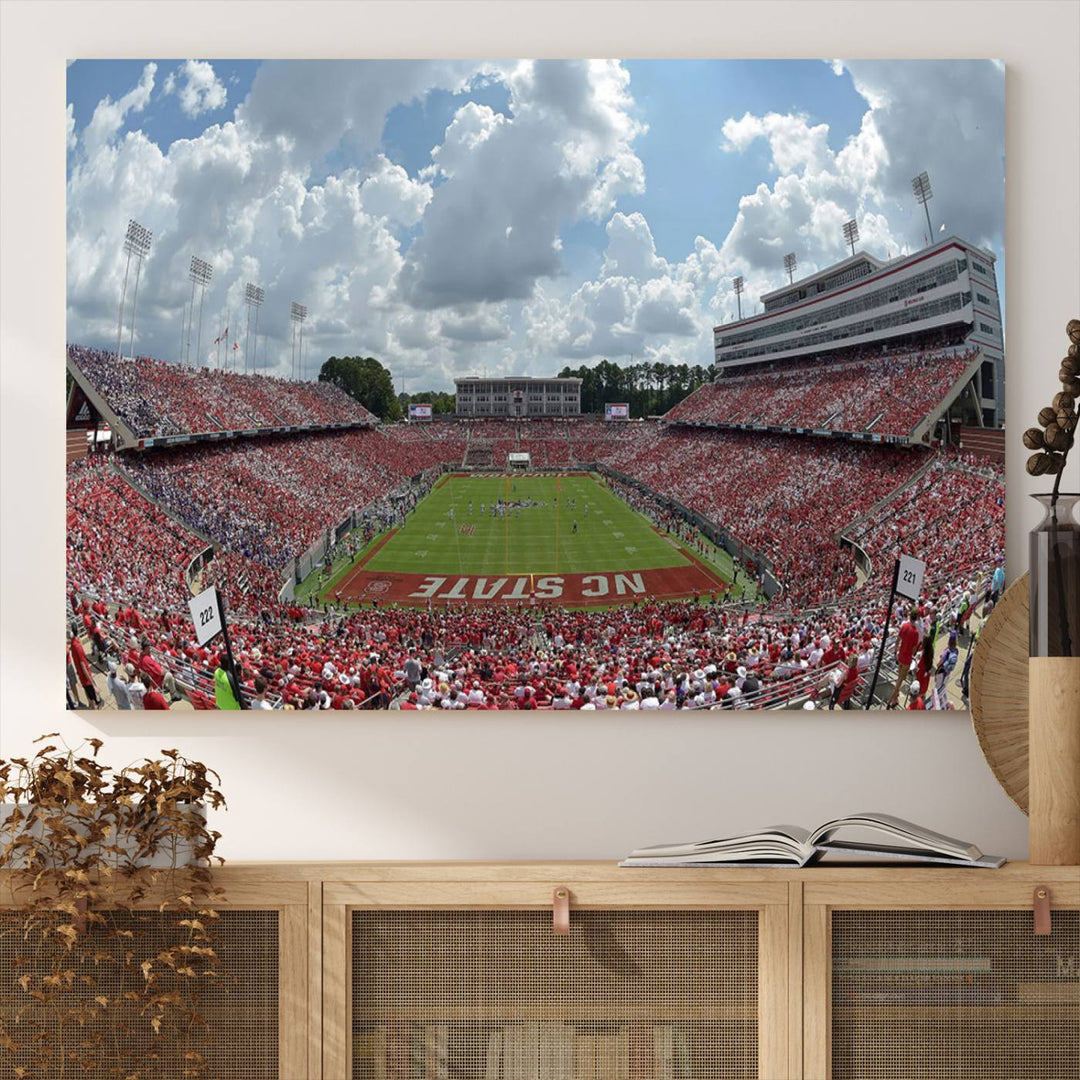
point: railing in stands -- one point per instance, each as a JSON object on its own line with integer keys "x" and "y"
{"x": 810, "y": 686}
{"x": 184, "y": 673}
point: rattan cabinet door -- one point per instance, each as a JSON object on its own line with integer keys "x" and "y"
{"x": 231, "y": 1021}
{"x": 492, "y": 993}
{"x": 946, "y": 992}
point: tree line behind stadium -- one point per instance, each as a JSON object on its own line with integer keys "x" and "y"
{"x": 649, "y": 389}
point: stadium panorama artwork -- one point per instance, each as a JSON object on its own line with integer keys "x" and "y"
{"x": 410, "y": 385}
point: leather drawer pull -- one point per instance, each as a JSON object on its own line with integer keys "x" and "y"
{"x": 560, "y": 911}
{"x": 1041, "y": 904}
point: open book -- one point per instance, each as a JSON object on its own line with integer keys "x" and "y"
{"x": 864, "y": 837}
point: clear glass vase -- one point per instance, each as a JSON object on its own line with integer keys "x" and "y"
{"x": 1054, "y": 580}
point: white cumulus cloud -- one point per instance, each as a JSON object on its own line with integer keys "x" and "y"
{"x": 198, "y": 89}
{"x": 510, "y": 183}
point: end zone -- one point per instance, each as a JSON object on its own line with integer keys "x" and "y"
{"x": 574, "y": 590}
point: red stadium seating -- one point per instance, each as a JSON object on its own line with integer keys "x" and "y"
{"x": 889, "y": 395}
{"x": 156, "y": 398}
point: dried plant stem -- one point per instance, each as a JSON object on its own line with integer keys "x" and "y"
{"x": 112, "y": 908}
{"x": 1059, "y": 567}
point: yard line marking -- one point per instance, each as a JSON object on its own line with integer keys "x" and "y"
{"x": 558, "y": 485}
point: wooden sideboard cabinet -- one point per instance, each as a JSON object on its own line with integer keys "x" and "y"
{"x": 420, "y": 971}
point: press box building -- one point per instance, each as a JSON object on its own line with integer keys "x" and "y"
{"x": 868, "y": 303}
{"x": 521, "y": 396}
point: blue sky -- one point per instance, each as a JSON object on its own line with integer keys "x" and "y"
{"x": 163, "y": 121}
{"x": 455, "y": 216}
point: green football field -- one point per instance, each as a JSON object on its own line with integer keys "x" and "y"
{"x": 539, "y": 539}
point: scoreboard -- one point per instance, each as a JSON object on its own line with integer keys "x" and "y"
{"x": 419, "y": 412}
{"x": 617, "y": 412}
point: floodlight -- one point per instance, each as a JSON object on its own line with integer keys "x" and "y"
{"x": 200, "y": 272}
{"x": 851, "y": 233}
{"x": 923, "y": 193}
{"x": 253, "y": 297}
{"x": 136, "y": 242}
{"x": 298, "y": 313}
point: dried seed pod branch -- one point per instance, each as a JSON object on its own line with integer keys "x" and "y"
{"x": 1058, "y": 420}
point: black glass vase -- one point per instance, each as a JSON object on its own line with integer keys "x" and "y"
{"x": 1054, "y": 578}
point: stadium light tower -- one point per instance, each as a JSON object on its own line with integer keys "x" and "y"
{"x": 738, "y": 285}
{"x": 920, "y": 187}
{"x": 298, "y": 315}
{"x": 253, "y": 297}
{"x": 137, "y": 243}
{"x": 851, "y": 234}
{"x": 200, "y": 273}
{"x": 789, "y": 266}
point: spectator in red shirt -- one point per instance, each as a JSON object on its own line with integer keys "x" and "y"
{"x": 157, "y": 678}
{"x": 907, "y": 643}
{"x": 154, "y": 699}
{"x": 845, "y": 690}
{"x": 77, "y": 655}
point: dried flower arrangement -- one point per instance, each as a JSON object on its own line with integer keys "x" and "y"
{"x": 1054, "y": 438}
{"x": 107, "y": 933}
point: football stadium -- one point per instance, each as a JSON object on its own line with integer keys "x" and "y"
{"x": 735, "y": 552}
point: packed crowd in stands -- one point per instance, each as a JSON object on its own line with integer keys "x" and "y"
{"x": 422, "y": 432}
{"x": 782, "y": 496}
{"x": 952, "y": 517}
{"x": 656, "y": 655}
{"x": 490, "y": 429}
{"x": 888, "y": 394}
{"x": 265, "y": 501}
{"x": 270, "y": 499}
{"x": 546, "y": 442}
{"x": 155, "y": 398}
{"x": 120, "y": 544}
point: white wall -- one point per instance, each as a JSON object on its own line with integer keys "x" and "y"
{"x": 399, "y": 786}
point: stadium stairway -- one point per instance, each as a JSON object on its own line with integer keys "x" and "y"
{"x": 922, "y": 430}
{"x": 986, "y": 442}
{"x": 874, "y": 511}
{"x": 76, "y": 444}
{"x": 479, "y": 454}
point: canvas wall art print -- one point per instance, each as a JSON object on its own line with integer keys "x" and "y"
{"x": 539, "y": 385}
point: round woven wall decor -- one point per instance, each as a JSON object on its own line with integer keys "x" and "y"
{"x": 999, "y": 692}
